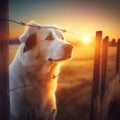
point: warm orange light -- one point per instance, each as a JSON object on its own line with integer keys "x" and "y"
{"x": 86, "y": 39}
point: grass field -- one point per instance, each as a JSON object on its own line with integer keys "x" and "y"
{"x": 75, "y": 83}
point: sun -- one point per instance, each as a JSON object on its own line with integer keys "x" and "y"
{"x": 86, "y": 39}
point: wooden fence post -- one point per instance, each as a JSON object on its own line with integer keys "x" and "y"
{"x": 118, "y": 57}
{"x": 95, "y": 111}
{"x": 104, "y": 67}
{"x": 103, "y": 73}
{"x": 4, "y": 79}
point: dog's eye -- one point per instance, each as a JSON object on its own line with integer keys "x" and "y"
{"x": 49, "y": 37}
{"x": 61, "y": 37}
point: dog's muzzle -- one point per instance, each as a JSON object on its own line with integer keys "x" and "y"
{"x": 67, "y": 53}
{"x": 68, "y": 50}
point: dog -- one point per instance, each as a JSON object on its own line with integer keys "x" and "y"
{"x": 32, "y": 73}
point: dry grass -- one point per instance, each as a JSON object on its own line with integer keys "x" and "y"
{"x": 111, "y": 98}
{"x": 74, "y": 84}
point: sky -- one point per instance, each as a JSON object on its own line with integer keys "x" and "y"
{"x": 83, "y": 17}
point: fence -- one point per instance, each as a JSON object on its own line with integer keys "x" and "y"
{"x": 4, "y": 83}
{"x": 100, "y": 71}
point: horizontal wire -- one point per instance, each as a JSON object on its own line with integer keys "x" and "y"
{"x": 38, "y": 26}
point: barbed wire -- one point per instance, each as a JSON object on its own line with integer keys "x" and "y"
{"x": 38, "y": 26}
{"x": 19, "y": 87}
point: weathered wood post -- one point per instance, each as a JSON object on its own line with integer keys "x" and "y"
{"x": 118, "y": 57}
{"x": 96, "y": 75}
{"x": 4, "y": 79}
{"x": 103, "y": 73}
{"x": 104, "y": 66}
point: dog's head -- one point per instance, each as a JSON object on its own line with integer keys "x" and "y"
{"x": 44, "y": 44}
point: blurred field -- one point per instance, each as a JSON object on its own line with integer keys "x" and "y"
{"x": 75, "y": 81}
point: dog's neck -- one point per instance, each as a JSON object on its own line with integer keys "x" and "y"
{"x": 45, "y": 70}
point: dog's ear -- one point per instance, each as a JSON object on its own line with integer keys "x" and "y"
{"x": 30, "y": 42}
{"x": 28, "y": 31}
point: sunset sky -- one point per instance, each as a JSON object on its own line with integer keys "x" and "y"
{"x": 83, "y": 17}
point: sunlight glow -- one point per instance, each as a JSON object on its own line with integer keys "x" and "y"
{"x": 86, "y": 39}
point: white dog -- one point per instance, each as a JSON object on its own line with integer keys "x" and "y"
{"x": 32, "y": 73}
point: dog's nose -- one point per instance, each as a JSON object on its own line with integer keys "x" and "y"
{"x": 68, "y": 47}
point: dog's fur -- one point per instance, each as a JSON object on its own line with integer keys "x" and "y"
{"x": 32, "y": 73}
